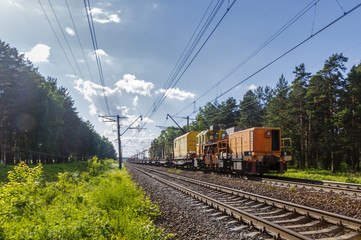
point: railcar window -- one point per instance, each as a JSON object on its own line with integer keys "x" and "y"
{"x": 212, "y": 136}
{"x": 275, "y": 140}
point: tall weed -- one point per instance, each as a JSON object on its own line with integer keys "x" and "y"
{"x": 102, "y": 203}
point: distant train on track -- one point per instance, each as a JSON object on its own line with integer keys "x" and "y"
{"x": 250, "y": 151}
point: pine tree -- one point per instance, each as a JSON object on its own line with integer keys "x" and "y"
{"x": 277, "y": 109}
{"x": 250, "y": 111}
{"x": 323, "y": 95}
{"x": 297, "y": 115}
{"x": 349, "y": 116}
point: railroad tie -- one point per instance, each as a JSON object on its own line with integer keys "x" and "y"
{"x": 295, "y": 220}
{"x": 310, "y": 224}
{"x": 330, "y": 229}
{"x": 350, "y": 235}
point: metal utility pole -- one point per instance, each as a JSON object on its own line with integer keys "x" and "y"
{"x": 187, "y": 123}
{"x": 130, "y": 127}
{"x": 119, "y": 144}
{"x": 177, "y": 123}
{"x": 111, "y": 119}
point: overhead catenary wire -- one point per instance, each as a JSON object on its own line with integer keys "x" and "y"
{"x": 165, "y": 94}
{"x": 155, "y": 106}
{"x": 290, "y": 50}
{"x": 80, "y": 44}
{"x": 95, "y": 47}
{"x": 183, "y": 58}
{"x": 57, "y": 38}
{"x": 201, "y": 47}
{"x": 65, "y": 39}
{"x": 63, "y": 50}
{"x": 176, "y": 66}
{"x": 256, "y": 51}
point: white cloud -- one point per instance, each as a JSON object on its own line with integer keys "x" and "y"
{"x": 95, "y": 93}
{"x": 132, "y": 85}
{"x": 15, "y": 4}
{"x": 135, "y": 101}
{"x": 176, "y": 93}
{"x": 96, "y": 11}
{"x": 252, "y": 87}
{"x": 139, "y": 141}
{"x": 70, "y": 31}
{"x": 102, "y": 54}
{"x": 39, "y": 53}
{"x": 101, "y": 16}
{"x": 114, "y": 18}
{"x": 154, "y": 6}
{"x": 70, "y": 75}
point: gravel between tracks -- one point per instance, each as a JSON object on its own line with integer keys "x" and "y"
{"x": 180, "y": 217}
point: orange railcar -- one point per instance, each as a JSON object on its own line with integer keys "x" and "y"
{"x": 258, "y": 150}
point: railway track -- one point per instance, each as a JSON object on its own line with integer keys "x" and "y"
{"x": 274, "y": 218}
{"x": 317, "y": 185}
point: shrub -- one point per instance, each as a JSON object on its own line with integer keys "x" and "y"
{"x": 102, "y": 203}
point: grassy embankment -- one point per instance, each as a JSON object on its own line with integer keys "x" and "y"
{"x": 93, "y": 200}
{"x": 321, "y": 175}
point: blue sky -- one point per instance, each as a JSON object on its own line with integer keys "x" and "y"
{"x": 141, "y": 41}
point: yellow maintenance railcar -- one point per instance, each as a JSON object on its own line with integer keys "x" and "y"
{"x": 185, "y": 145}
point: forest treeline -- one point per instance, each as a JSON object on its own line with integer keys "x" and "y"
{"x": 321, "y": 112}
{"x": 38, "y": 120}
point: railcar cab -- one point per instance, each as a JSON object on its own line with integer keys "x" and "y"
{"x": 212, "y": 135}
{"x": 207, "y": 147}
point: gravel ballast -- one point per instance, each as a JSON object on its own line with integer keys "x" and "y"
{"x": 188, "y": 220}
{"x": 180, "y": 214}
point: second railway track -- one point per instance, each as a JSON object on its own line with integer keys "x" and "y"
{"x": 278, "y": 218}
{"x": 328, "y": 186}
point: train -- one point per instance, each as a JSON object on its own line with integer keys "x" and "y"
{"x": 249, "y": 151}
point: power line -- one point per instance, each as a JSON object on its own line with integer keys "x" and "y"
{"x": 158, "y": 103}
{"x": 95, "y": 47}
{"x": 183, "y": 58}
{"x": 66, "y": 40}
{"x": 290, "y": 50}
{"x": 81, "y": 45}
{"x": 287, "y": 52}
{"x": 261, "y": 47}
{"x": 77, "y": 36}
{"x": 160, "y": 100}
{"x": 214, "y": 29}
{"x": 57, "y": 38}
{"x": 186, "y": 47}
{"x": 197, "y": 39}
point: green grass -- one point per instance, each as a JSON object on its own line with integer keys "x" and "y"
{"x": 321, "y": 175}
{"x": 4, "y": 172}
{"x": 174, "y": 171}
{"x": 50, "y": 171}
{"x": 99, "y": 203}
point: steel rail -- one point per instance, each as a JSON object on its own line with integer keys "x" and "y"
{"x": 352, "y": 188}
{"x": 263, "y": 225}
{"x": 328, "y": 188}
{"x": 333, "y": 218}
